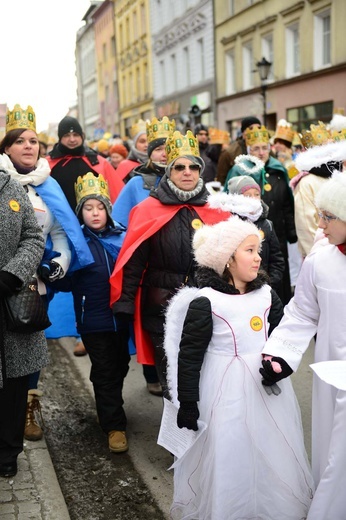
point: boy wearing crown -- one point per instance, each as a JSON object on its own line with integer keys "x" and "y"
{"x": 156, "y": 257}
{"x": 106, "y": 345}
{"x": 276, "y": 193}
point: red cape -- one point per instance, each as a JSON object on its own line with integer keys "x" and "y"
{"x": 145, "y": 219}
{"x": 125, "y": 167}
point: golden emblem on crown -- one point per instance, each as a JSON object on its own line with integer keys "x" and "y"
{"x": 257, "y": 135}
{"x": 317, "y": 135}
{"x": 159, "y": 128}
{"x": 338, "y": 135}
{"x": 88, "y": 185}
{"x": 217, "y": 136}
{"x": 284, "y": 131}
{"x": 140, "y": 126}
{"x": 178, "y": 145}
{"x": 20, "y": 118}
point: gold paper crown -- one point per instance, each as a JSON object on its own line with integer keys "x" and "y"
{"x": 157, "y": 129}
{"x": 217, "y": 136}
{"x": 140, "y": 126}
{"x": 20, "y": 118}
{"x": 296, "y": 140}
{"x": 284, "y": 131}
{"x": 178, "y": 145}
{"x": 257, "y": 135}
{"x": 317, "y": 135}
{"x": 88, "y": 185}
{"x": 43, "y": 137}
{"x": 338, "y": 135}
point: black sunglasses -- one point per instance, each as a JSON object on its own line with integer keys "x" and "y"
{"x": 182, "y": 167}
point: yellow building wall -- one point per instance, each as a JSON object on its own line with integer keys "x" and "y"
{"x": 133, "y": 39}
{"x": 251, "y": 23}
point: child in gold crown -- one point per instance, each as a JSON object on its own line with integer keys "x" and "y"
{"x": 106, "y": 345}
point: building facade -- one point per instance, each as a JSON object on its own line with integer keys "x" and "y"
{"x": 107, "y": 76}
{"x": 183, "y": 59}
{"x": 88, "y": 112}
{"x": 133, "y": 55}
{"x": 303, "y": 42}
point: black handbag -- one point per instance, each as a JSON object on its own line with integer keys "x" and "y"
{"x": 25, "y": 310}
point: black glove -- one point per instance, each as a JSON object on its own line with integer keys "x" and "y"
{"x": 269, "y": 376}
{"x": 50, "y": 272}
{"x": 9, "y": 283}
{"x": 187, "y": 415}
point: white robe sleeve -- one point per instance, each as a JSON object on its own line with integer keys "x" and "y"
{"x": 292, "y": 336}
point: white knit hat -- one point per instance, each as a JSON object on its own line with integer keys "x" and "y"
{"x": 214, "y": 245}
{"x": 331, "y": 196}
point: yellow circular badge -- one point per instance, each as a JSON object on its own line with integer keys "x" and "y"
{"x": 196, "y": 223}
{"x": 261, "y": 232}
{"x": 256, "y": 323}
{"x": 14, "y": 205}
{"x": 267, "y": 187}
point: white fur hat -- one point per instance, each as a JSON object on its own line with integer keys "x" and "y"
{"x": 331, "y": 196}
{"x": 214, "y": 245}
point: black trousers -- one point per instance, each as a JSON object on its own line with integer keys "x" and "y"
{"x": 13, "y": 399}
{"x": 109, "y": 356}
{"x": 160, "y": 361}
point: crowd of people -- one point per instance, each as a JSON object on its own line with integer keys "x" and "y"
{"x": 178, "y": 246}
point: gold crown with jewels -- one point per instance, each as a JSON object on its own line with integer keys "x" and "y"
{"x": 159, "y": 128}
{"x": 178, "y": 145}
{"x": 257, "y": 135}
{"x": 317, "y": 135}
{"x": 88, "y": 185}
{"x": 217, "y": 136}
{"x": 140, "y": 126}
{"x": 20, "y": 118}
{"x": 338, "y": 135}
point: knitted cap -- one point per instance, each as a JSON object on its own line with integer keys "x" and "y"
{"x": 160, "y": 141}
{"x": 102, "y": 145}
{"x": 241, "y": 184}
{"x": 120, "y": 149}
{"x": 214, "y": 245}
{"x": 331, "y": 196}
{"x": 248, "y": 121}
{"x": 69, "y": 124}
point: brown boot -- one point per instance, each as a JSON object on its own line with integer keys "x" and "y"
{"x": 32, "y": 431}
{"x": 117, "y": 441}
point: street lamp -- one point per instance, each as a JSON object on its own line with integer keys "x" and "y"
{"x": 263, "y": 68}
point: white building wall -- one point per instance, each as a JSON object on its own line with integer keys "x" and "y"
{"x": 180, "y": 32}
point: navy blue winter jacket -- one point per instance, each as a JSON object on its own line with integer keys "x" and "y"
{"x": 90, "y": 286}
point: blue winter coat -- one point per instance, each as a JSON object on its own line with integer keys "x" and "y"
{"x": 90, "y": 286}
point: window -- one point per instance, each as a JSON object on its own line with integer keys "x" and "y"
{"x": 143, "y": 19}
{"x": 173, "y": 86}
{"x": 138, "y": 83}
{"x": 186, "y": 67}
{"x": 162, "y": 81}
{"x": 231, "y": 7}
{"x": 104, "y": 52}
{"x": 229, "y": 73}
{"x": 302, "y": 117}
{"x": 135, "y": 25}
{"x": 268, "y": 52}
{"x": 322, "y": 51}
{"x": 292, "y": 50}
{"x": 201, "y": 60}
{"x": 113, "y": 48}
{"x": 248, "y": 66}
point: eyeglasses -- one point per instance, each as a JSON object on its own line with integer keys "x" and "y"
{"x": 182, "y": 167}
{"x": 326, "y": 218}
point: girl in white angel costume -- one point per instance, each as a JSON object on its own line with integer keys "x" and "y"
{"x": 250, "y": 463}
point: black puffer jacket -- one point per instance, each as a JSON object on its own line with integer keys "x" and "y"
{"x": 198, "y": 329}
{"x": 165, "y": 259}
{"x": 273, "y": 261}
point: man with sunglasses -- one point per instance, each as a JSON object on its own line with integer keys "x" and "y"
{"x": 156, "y": 258}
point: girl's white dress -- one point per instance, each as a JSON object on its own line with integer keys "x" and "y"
{"x": 250, "y": 463}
